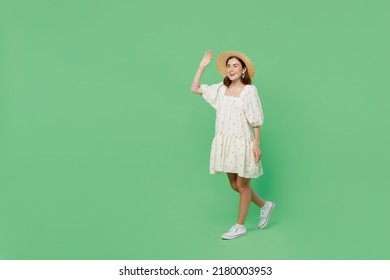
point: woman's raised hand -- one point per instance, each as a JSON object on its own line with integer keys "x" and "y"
{"x": 195, "y": 86}
{"x": 206, "y": 59}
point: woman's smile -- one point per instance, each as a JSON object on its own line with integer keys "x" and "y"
{"x": 234, "y": 69}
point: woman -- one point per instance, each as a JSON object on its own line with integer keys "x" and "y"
{"x": 236, "y": 145}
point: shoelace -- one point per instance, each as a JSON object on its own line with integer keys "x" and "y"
{"x": 262, "y": 214}
{"x": 233, "y": 228}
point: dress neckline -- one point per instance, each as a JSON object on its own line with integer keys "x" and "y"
{"x": 235, "y": 95}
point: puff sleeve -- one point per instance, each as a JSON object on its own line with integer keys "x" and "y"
{"x": 210, "y": 94}
{"x": 252, "y": 107}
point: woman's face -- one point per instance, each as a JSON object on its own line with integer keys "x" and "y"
{"x": 234, "y": 69}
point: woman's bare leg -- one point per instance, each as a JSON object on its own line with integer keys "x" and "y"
{"x": 255, "y": 198}
{"x": 243, "y": 187}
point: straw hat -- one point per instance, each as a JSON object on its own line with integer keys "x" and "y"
{"x": 221, "y": 62}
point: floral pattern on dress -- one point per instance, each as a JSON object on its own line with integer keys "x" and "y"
{"x": 231, "y": 149}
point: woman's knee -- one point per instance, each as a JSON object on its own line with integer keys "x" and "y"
{"x": 233, "y": 181}
{"x": 241, "y": 188}
{"x": 234, "y": 186}
{"x": 242, "y": 185}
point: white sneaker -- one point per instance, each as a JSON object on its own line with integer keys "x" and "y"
{"x": 265, "y": 213}
{"x": 234, "y": 232}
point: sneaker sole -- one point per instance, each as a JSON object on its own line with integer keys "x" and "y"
{"x": 266, "y": 220}
{"x": 232, "y": 237}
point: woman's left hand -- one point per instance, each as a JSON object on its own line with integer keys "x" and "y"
{"x": 257, "y": 153}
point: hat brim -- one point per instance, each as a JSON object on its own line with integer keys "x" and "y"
{"x": 222, "y": 59}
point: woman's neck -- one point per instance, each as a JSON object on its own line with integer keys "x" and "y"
{"x": 236, "y": 84}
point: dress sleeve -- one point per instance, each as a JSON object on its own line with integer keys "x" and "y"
{"x": 210, "y": 94}
{"x": 253, "y": 110}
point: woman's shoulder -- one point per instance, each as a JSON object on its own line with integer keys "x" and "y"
{"x": 221, "y": 85}
{"x": 212, "y": 89}
{"x": 212, "y": 86}
{"x": 251, "y": 89}
{"x": 218, "y": 85}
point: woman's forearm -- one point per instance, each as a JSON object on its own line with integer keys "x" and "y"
{"x": 257, "y": 135}
{"x": 195, "y": 86}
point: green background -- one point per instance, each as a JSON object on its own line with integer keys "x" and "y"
{"x": 104, "y": 151}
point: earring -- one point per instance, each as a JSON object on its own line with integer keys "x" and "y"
{"x": 243, "y": 75}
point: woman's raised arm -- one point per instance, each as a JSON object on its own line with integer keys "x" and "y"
{"x": 195, "y": 86}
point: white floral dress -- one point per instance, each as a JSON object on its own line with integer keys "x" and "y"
{"x": 231, "y": 149}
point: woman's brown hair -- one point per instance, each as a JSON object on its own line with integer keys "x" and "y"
{"x": 246, "y": 80}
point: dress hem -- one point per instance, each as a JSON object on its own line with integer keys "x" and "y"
{"x": 219, "y": 172}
